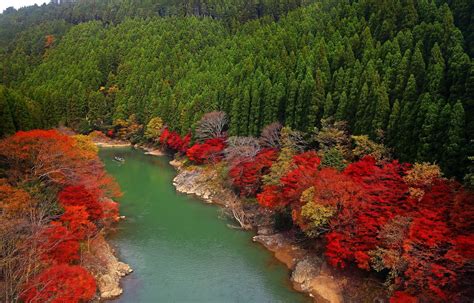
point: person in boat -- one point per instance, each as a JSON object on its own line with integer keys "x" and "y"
{"x": 119, "y": 159}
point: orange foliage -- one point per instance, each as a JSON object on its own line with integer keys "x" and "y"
{"x": 14, "y": 201}
{"x": 52, "y": 157}
{"x": 49, "y": 40}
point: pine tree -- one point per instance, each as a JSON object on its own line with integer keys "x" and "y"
{"x": 304, "y": 100}
{"x": 382, "y": 109}
{"x": 392, "y": 127}
{"x": 360, "y": 124}
{"x": 426, "y": 148}
{"x": 409, "y": 14}
{"x": 236, "y": 116}
{"x": 453, "y": 147}
{"x": 317, "y": 101}
{"x": 417, "y": 67}
{"x": 342, "y": 107}
{"x": 328, "y": 106}
{"x": 269, "y": 99}
{"x": 6, "y": 126}
{"x": 291, "y": 104}
{"x": 436, "y": 69}
{"x": 401, "y": 77}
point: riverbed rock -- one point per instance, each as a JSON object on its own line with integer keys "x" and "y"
{"x": 101, "y": 261}
{"x": 304, "y": 271}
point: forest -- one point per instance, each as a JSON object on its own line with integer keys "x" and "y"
{"x": 398, "y": 71}
{"x": 350, "y": 122}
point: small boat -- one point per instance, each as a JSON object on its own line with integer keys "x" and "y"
{"x": 119, "y": 159}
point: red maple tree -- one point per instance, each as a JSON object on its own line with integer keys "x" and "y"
{"x": 247, "y": 176}
{"x": 208, "y": 152}
{"x": 60, "y": 284}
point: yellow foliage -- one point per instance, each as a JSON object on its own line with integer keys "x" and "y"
{"x": 315, "y": 216}
{"x": 420, "y": 176}
{"x": 86, "y": 145}
{"x": 366, "y": 147}
{"x": 154, "y": 128}
{"x": 284, "y": 161}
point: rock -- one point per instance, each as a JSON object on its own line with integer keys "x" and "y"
{"x": 327, "y": 288}
{"x": 265, "y": 231}
{"x": 104, "y": 265}
{"x": 305, "y": 270}
{"x": 309, "y": 277}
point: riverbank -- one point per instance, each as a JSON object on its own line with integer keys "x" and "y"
{"x": 310, "y": 273}
{"x": 101, "y": 260}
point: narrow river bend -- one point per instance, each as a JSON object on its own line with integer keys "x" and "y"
{"x": 179, "y": 248}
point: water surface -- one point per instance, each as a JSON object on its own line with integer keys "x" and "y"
{"x": 179, "y": 248}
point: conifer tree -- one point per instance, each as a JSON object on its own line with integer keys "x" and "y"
{"x": 453, "y": 147}
{"x": 427, "y": 140}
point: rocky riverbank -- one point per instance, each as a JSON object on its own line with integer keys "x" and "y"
{"x": 100, "y": 259}
{"x": 310, "y": 273}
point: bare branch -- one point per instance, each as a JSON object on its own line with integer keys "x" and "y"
{"x": 270, "y": 136}
{"x": 212, "y": 125}
{"x": 241, "y": 149}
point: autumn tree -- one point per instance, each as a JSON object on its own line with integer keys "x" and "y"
{"x": 153, "y": 129}
{"x": 211, "y": 126}
{"x": 61, "y": 283}
{"x": 270, "y": 136}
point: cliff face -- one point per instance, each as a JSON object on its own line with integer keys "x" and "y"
{"x": 310, "y": 273}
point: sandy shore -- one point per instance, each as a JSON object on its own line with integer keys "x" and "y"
{"x": 112, "y": 144}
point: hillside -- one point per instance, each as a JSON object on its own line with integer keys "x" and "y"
{"x": 396, "y": 70}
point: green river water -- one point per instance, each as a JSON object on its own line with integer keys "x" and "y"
{"x": 179, "y": 248}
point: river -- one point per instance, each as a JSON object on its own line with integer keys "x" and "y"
{"x": 179, "y": 248}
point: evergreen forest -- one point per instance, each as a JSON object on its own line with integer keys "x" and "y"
{"x": 400, "y": 71}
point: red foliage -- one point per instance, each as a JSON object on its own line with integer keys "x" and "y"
{"x": 56, "y": 160}
{"x": 382, "y": 197}
{"x": 58, "y": 244}
{"x": 208, "y": 152}
{"x": 61, "y": 284}
{"x": 246, "y": 176}
{"x": 173, "y": 141}
{"x": 338, "y": 250}
{"x": 305, "y": 169}
{"x": 76, "y": 219}
{"x": 110, "y": 133}
{"x": 270, "y": 197}
{"x": 436, "y": 248}
{"x": 299, "y": 178}
{"x": 110, "y": 209}
{"x": 164, "y": 136}
{"x": 402, "y": 297}
{"x": 79, "y": 196}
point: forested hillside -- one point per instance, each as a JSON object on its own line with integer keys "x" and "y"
{"x": 399, "y": 71}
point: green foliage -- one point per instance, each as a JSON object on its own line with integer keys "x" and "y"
{"x": 334, "y": 157}
{"x": 351, "y": 60}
